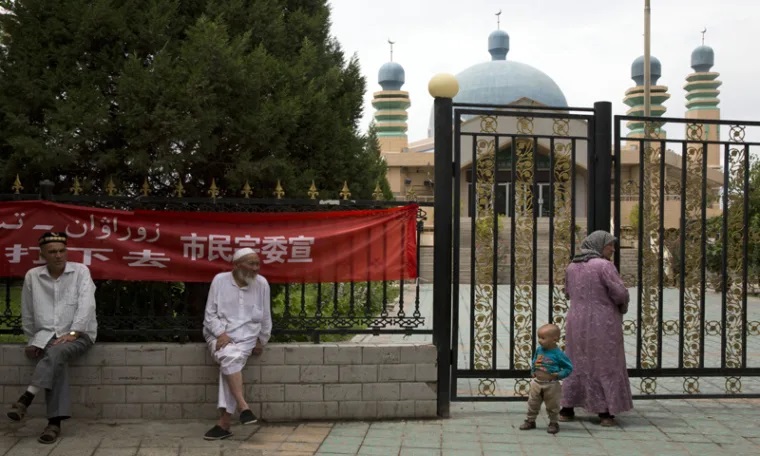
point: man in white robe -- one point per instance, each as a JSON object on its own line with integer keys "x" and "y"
{"x": 237, "y": 323}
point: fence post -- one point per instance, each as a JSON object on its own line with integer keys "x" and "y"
{"x": 443, "y": 88}
{"x": 600, "y": 169}
{"x": 46, "y": 190}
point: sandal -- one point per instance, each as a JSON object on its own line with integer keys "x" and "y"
{"x": 567, "y": 414}
{"x": 607, "y": 422}
{"x": 18, "y": 411}
{"x": 50, "y": 434}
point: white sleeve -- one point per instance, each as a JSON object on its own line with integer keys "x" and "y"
{"x": 211, "y": 319}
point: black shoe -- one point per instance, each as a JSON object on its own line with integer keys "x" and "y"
{"x": 247, "y": 417}
{"x": 217, "y": 433}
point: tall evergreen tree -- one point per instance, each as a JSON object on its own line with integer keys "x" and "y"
{"x": 190, "y": 90}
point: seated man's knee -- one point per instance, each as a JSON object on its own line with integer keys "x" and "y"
{"x": 54, "y": 353}
{"x": 232, "y": 363}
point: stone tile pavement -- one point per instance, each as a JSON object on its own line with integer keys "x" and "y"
{"x": 661, "y": 427}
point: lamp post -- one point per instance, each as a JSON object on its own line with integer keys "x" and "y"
{"x": 443, "y": 87}
{"x": 647, "y": 68}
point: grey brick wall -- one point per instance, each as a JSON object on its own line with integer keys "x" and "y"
{"x": 289, "y": 382}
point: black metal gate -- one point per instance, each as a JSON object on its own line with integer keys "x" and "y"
{"x": 516, "y": 191}
{"x": 687, "y": 213}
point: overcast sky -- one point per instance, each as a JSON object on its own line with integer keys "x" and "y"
{"x": 586, "y": 46}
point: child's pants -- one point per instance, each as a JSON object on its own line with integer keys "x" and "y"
{"x": 548, "y": 392}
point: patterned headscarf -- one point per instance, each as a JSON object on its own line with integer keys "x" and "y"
{"x": 592, "y": 246}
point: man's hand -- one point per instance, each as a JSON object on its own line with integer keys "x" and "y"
{"x": 64, "y": 339}
{"x": 222, "y": 341}
{"x": 32, "y": 352}
{"x": 258, "y": 349}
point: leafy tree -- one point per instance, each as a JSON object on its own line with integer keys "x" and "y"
{"x": 370, "y": 160}
{"x": 181, "y": 90}
{"x": 172, "y": 90}
{"x": 714, "y": 245}
{"x": 633, "y": 218}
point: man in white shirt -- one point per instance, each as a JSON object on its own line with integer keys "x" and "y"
{"x": 237, "y": 323}
{"x": 58, "y": 318}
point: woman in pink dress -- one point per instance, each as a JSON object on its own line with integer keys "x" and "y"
{"x": 594, "y": 333}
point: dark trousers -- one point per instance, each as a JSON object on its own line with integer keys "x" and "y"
{"x": 52, "y": 374}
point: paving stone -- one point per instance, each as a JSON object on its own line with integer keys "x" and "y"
{"x": 419, "y": 452}
{"x": 121, "y": 442}
{"x": 388, "y": 442}
{"x": 116, "y": 451}
{"x": 200, "y": 452}
{"x": 472, "y": 427}
{"x": 376, "y": 451}
{"x": 158, "y": 451}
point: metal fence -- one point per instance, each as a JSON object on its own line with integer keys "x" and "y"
{"x": 173, "y": 311}
{"x": 528, "y": 181}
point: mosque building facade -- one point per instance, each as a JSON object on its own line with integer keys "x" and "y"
{"x": 505, "y": 82}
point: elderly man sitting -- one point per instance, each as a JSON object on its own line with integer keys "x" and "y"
{"x": 59, "y": 319}
{"x": 237, "y": 323}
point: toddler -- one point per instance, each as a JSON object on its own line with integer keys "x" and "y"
{"x": 550, "y": 365}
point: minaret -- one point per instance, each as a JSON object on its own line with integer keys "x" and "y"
{"x": 702, "y": 99}
{"x": 634, "y": 97}
{"x": 391, "y": 104}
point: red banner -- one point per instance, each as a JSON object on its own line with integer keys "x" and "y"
{"x": 336, "y": 246}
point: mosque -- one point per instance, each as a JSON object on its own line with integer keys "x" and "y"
{"x": 506, "y": 82}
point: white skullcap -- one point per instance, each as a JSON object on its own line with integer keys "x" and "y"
{"x": 241, "y": 253}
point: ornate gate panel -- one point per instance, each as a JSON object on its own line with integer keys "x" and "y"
{"x": 520, "y": 206}
{"x": 690, "y": 232}
{"x": 528, "y": 183}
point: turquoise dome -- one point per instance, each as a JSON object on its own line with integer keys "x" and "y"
{"x": 702, "y": 59}
{"x": 391, "y": 76}
{"x": 501, "y": 81}
{"x": 637, "y": 70}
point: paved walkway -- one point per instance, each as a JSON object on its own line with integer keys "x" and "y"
{"x": 673, "y": 427}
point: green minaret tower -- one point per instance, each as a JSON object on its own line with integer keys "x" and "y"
{"x": 702, "y": 99}
{"x": 634, "y": 97}
{"x": 391, "y": 104}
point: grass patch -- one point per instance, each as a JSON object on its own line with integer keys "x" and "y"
{"x": 327, "y": 305}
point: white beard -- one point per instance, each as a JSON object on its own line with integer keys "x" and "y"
{"x": 244, "y": 277}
